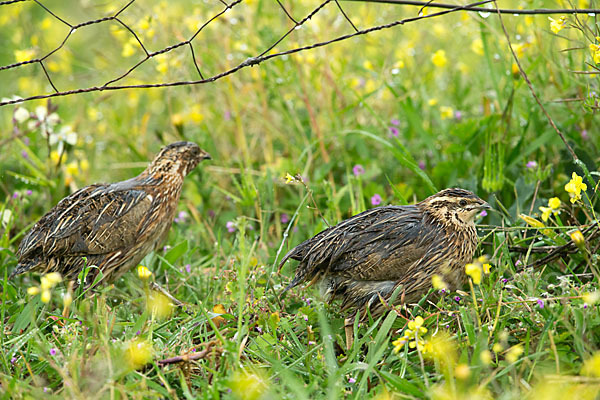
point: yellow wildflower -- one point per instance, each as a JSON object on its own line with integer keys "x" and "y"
{"x": 531, "y": 221}
{"x": 574, "y": 187}
{"x": 557, "y": 25}
{"x": 486, "y": 268}
{"x": 67, "y": 299}
{"x": 159, "y": 305}
{"x": 439, "y": 58}
{"x": 591, "y": 367}
{"x": 462, "y": 371}
{"x": 577, "y": 238}
{"x": 143, "y": 272}
{"x": 289, "y": 178}
{"x": 32, "y": 291}
{"x": 368, "y": 65}
{"x": 513, "y": 353}
{"x": 497, "y": 347}
{"x": 432, "y": 102}
{"x": 138, "y": 353}
{"x": 446, "y": 112}
{"x": 595, "y": 50}
{"x": 24, "y": 55}
{"x": 438, "y": 282}
{"x": 474, "y": 271}
{"x": 248, "y": 386}
{"x": 45, "y": 297}
{"x": 477, "y": 47}
{"x": 486, "y": 357}
{"x": 589, "y": 298}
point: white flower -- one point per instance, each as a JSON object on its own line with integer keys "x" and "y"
{"x": 45, "y": 122}
{"x": 65, "y": 134}
{"x": 21, "y": 114}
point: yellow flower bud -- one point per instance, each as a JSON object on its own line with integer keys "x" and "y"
{"x": 67, "y": 299}
{"x": 45, "y": 296}
{"x": 33, "y": 290}
{"x": 514, "y": 353}
{"x": 485, "y": 357}
{"x": 462, "y": 371}
{"x": 143, "y": 272}
{"x": 578, "y": 238}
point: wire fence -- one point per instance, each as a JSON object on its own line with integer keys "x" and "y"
{"x": 269, "y": 53}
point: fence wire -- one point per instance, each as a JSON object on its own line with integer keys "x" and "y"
{"x": 268, "y": 54}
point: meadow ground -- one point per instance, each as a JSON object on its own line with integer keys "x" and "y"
{"x": 388, "y": 117}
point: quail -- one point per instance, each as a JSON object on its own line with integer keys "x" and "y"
{"x": 110, "y": 226}
{"x": 366, "y": 258}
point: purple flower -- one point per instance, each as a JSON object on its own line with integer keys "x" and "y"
{"x": 26, "y": 141}
{"x": 230, "y": 225}
{"x": 305, "y": 317}
{"x": 585, "y": 305}
{"x": 28, "y": 192}
{"x": 457, "y": 299}
{"x": 584, "y": 134}
{"x": 540, "y": 303}
{"x": 13, "y": 360}
{"x": 311, "y": 343}
{"x": 227, "y": 115}
{"x": 458, "y": 115}
{"x": 24, "y": 155}
{"x": 53, "y": 351}
{"x": 358, "y": 170}
{"x": 259, "y": 329}
{"x": 351, "y": 380}
{"x": 531, "y": 164}
{"x": 181, "y": 217}
{"x": 443, "y": 291}
{"x": 504, "y": 280}
{"x": 447, "y": 326}
{"x": 15, "y": 195}
{"x": 188, "y": 268}
{"x": 394, "y": 131}
{"x": 211, "y": 213}
{"x": 483, "y": 213}
{"x": 518, "y": 263}
{"x": 395, "y": 122}
{"x": 376, "y": 199}
{"x": 138, "y": 333}
{"x": 285, "y": 218}
{"x": 422, "y": 165}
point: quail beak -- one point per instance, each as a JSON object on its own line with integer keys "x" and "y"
{"x": 485, "y": 206}
{"x": 206, "y": 156}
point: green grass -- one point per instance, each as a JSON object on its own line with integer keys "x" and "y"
{"x": 521, "y": 332}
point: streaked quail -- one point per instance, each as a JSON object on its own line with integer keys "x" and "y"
{"x": 112, "y": 226}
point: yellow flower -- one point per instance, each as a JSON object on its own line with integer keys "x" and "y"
{"x": 546, "y": 211}
{"x": 486, "y": 357}
{"x": 159, "y": 305}
{"x": 438, "y": 282}
{"x": 513, "y": 353}
{"x": 368, "y": 65}
{"x": 143, "y": 272}
{"x": 24, "y": 55}
{"x": 595, "y": 50}
{"x": 138, "y": 353}
{"x": 577, "y": 238}
{"x": 462, "y": 371}
{"x": 531, "y": 221}
{"x": 497, "y": 348}
{"x": 446, "y": 112}
{"x": 50, "y": 280}
{"x": 477, "y": 47}
{"x": 474, "y": 272}
{"x": 557, "y": 25}
{"x": 45, "y": 296}
{"x": 72, "y": 168}
{"x": 589, "y": 298}
{"x": 591, "y": 367}
{"x": 554, "y": 203}
{"x": 486, "y": 268}
{"x": 417, "y": 323}
{"x": 399, "y": 343}
{"x": 32, "y": 291}
{"x": 439, "y": 58}
{"x": 574, "y": 187}
{"x": 432, "y": 102}
{"x": 289, "y": 178}
{"x": 248, "y": 386}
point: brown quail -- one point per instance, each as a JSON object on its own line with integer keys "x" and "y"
{"x": 367, "y": 257}
{"x": 112, "y": 226}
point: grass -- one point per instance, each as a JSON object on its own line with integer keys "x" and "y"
{"x": 377, "y": 101}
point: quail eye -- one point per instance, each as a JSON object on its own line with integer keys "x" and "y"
{"x": 463, "y": 203}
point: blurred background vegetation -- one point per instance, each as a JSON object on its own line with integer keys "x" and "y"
{"x": 385, "y": 118}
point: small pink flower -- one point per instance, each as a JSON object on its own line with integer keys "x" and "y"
{"x": 483, "y": 213}
{"x": 531, "y": 164}
{"x": 394, "y": 131}
{"x": 230, "y": 226}
{"x": 422, "y": 165}
{"x": 358, "y": 170}
{"x": 395, "y": 122}
{"x": 351, "y": 380}
{"x": 188, "y": 268}
{"x": 540, "y": 303}
{"x": 53, "y": 351}
{"x": 376, "y": 199}
{"x": 285, "y": 218}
